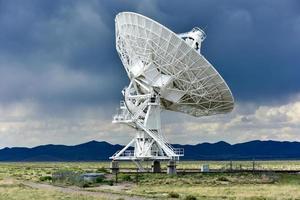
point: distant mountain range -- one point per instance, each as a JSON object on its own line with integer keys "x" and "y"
{"x": 100, "y": 151}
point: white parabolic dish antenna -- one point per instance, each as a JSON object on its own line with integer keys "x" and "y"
{"x": 166, "y": 71}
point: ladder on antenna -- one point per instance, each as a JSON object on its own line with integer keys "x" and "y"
{"x": 151, "y": 144}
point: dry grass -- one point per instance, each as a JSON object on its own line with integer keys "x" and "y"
{"x": 224, "y": 191}
{"x": 222, "y": 186}
{"x": 13, "y": 190}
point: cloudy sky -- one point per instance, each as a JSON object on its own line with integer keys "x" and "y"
{"x": 60, "y": 75}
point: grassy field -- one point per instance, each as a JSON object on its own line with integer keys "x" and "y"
{"x": 223, "y": 186}
{"x": 13, "y": 190}
{"x": 14, "y": 179}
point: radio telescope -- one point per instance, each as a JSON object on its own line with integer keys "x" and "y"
{"x": 167, "y": 72}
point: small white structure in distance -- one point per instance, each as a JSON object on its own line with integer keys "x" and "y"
{"x": 204, "y": 168}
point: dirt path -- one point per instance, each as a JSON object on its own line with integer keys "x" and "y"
{"x": 76, "y": 190}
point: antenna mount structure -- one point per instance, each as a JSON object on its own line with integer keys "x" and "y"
{"x": 167, "y": 72}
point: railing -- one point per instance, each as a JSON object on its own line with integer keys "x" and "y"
{"x": 122, "y": 115}
{"x": 122, "y": 104}
{"x": 127, "y": 153}
{"x": 159, "y": 139}
{"x": 163, "y": 139}
{"x": 125, "y": 116}
{"x": 179, "y": 151}
{"x": 120, "y": 118}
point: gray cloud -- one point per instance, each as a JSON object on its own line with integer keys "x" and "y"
{"x": 246, "y": 122}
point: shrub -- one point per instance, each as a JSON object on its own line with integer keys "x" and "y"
{"x": 85, "y": 185}
{"x": 109, "y": 182}
{"x": 190, "y": 197}
{"x": 173, "y": 195}
{"x": 125, "y": 177}
{"x": 102, "y": 169}
{"x": 45, "y": 178}
{"x": 222, "y": 178}
{"x": 99, "y": 179}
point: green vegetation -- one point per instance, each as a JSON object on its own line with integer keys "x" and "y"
{"x": 102, "y": 170}
{"x": 125, "y": 177}
{"x": 46, "y": 178}
{"x": 190, "y": 197}
{"x": 221, "y": 186}
{"x": 173, "y": 195}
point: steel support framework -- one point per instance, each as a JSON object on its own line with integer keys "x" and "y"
{"x": 142, "y": 112}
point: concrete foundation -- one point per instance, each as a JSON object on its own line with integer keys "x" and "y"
{"x": 171, "y": 167}
{"x": 155, "y": 168}
{"x": 114, "y": 167}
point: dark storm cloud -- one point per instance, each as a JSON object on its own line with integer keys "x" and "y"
{"x": 63, "y": 53}
{"x": 254, "y": 44}
{"x": 59, "y": 53}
